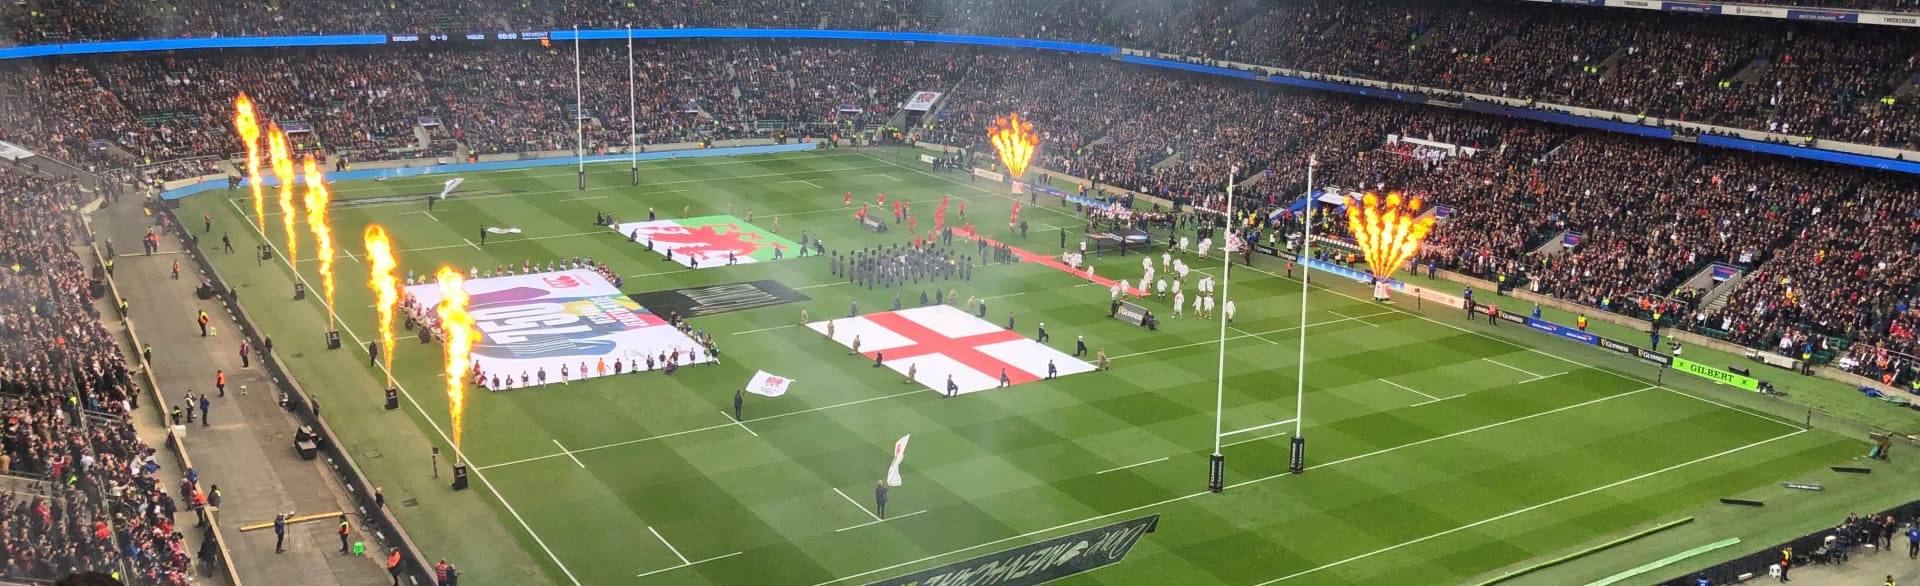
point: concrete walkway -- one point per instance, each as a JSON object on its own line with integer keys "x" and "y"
{"x": 248, "y": 448}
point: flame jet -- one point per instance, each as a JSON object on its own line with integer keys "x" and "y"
{"x": 456, "y": 327}
{"x": 385, "y": 287}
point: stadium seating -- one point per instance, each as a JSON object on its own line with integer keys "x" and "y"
{"x": 65, "y": 394}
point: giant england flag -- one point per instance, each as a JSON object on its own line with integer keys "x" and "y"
{"x": 573, "y": 319}
{"x": 943, "y": 341}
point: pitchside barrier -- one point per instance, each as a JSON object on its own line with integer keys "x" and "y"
{"x": 210, "y": 184}
{"x": 1755, "y": 564}
{"x": 376, "y": 520}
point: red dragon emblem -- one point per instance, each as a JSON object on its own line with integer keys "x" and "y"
{"x": 707, "y": 242}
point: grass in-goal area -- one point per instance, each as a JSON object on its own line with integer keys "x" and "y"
{"x": 1436, "y": 452}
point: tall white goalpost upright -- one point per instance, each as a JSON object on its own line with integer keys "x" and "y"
{"x": 579, "y": 109}
{"x": 633, "y": 118}
{"x": 1297, "y": 459}
{"x": 1217, "y": 462}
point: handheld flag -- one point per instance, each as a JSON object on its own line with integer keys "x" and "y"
{"x": 899, "y": 453}
{"x": 451, "y": 183}
{"x": 768, "y": 384}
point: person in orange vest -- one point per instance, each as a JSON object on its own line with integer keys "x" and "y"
{"x": 393, "y": 566}
{"x": 345, "y": 529}
{"x": 1582, "y": 322}
{"x": 220, "y": 381}
{"x": 1493, "y": 314}
{"x": 203, "y": 324}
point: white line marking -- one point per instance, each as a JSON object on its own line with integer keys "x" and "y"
{"x": 1132, "y": 465}
{"x": 349, "y": 254}
{"x": 1216, "y": 341}
{"x": 884, "y": 175}
{"x": 863, "y": 508}
{"x": 1005, "y": 296}
{"x": 1254, "y": 335}
{"x": 1204, "y": 493}
{"x": 1345, "y": 315}
{"x": 1438, "y": 400}
{"x": 585, "y": 198}
{"x": 815, "y": 185}
{"x": 421, "y": 212}
{"x": 695, "y": 563}
{"x": 470, "y": 243}
{"x": 822, "y": 285}
{"x": 1689, "y": 396}
{"x": 1410, "y": 389}
{"x": 1259, "y": 427}
{"x": 1537, "y": 378}
{"x": 1530, "y": 509}
{"x": 676, "y": 552}
{"x": 563, "y": 450}
{"x": 1256, "y": 438}
{"x": 1456, "y": 434}
{"x": 879, "y": 521}
{"x": 669, "y": 191}
{"x": 360, "y": 345}
{"x": 1521, "y": 370}
{"x": 730, "y": 419}
{"x": 766, "y": 329}
{"x": 680, "y": 270}
{"x": 698, "y": 430}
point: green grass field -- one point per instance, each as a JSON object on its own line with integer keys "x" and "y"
{"x": 1438, "y": 451}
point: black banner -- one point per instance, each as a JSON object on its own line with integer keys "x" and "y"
{"x": 874, "y": 224}
{"x": 1041, "y": 562}
{"x": 1131, "y": 313}
{"x": 714, "y": 299}
{"x": 1654, "y": 356}
{"x": 1609, "y": 344}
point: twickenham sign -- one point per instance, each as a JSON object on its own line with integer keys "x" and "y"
{"x": 1040, "y": 562}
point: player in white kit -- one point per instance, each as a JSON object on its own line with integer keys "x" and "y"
{"x": 1179, "y": 301}
{"x": 1166, "y": 258}
{"x": 1208, "y": 300}
{"x": 1229, "y": 310}
{"x": 1161, "y": 285}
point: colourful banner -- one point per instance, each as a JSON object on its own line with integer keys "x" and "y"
{"x": 1715, "y": 374}
{"x": 709, "y": 241}
{"x": 571, "y": 319}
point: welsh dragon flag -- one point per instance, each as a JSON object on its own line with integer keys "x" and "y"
{"x": 706, "y": 242}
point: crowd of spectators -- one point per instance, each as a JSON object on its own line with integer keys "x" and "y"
{"x": 1651, "y": 213}
{"x": 80, "y": 491}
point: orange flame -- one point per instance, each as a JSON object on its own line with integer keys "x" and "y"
{"x": 386, "y": 288}
{"x": 1388, "y": 232}
{"x": 317, "y": 199}
{"x": 456, "y": 327}
{"x": 283, "y": 171}
{"x": 248, "y": 126}
{"x": 1014, "y": 139}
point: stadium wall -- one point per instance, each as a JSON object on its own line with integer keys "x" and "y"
{"x": 1809, "y": 148}
{"x": 213, "y": 182}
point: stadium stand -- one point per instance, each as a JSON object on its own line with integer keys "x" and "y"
{"x": 82, "y": 495}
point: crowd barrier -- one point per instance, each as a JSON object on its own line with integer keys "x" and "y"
{"x": 1298, "y": 79}
{"x": 392, "y": 172}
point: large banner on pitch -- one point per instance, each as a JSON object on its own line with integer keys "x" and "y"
{"x": 565, "y": 318}
{"x": 707, "y": 241}
{"x": 1041, "y": 562}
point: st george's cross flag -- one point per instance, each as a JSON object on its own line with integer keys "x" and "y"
{"x": 941, "y": 343}
{"x": 899, "y": 454}
{"x": 768, "y": 384}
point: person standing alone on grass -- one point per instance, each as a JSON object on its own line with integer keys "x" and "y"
{"x": 880, "y": 498}
{"x": 739, "y": 400}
